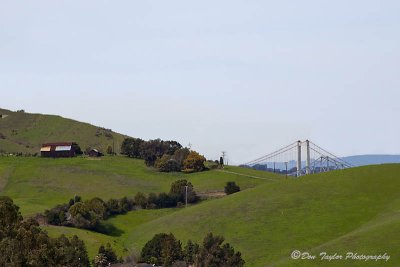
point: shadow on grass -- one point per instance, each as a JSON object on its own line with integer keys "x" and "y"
{"x": 108, "y": 229}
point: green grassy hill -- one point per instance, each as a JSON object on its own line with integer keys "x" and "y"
{"x": 354, "y": 210}
{"x": 24, "y": 132}
{"x": 351, "y": 210}
{"x": 37, "y": 184}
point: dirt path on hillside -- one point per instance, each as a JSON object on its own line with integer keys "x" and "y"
{"x": 250, "y": 176}
{"x": 211, "y": 194}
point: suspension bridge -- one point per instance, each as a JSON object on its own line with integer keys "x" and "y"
{"x": 289, "y": 160}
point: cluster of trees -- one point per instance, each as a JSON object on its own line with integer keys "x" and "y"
{"x": 89, "y": 214}
{"x": 175, "y": 198}
{"x": 166, "y": 156}
{"x": 164, "y": 249}
{"x": 23, "y": 243}
{"x": 106, "y": 256}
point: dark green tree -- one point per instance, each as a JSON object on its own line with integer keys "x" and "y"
{"x": 162, "y": 249}
{"x": 170, "y": 147}
{"x": 190, "y": 251}
{"x": 180, "y": 155}
{"x": 77, "y": 149}
{"x": 152, "y": 150}
{"x": 97, "y": 206}
{"x": 231, "y": 187}
{"x": 167, "y": 164}
{"x": 71, "y": 252}
{"x": 213, "y": 253}
{"x": 165, "y": 201}
{"x": 141, "y": 200}
{"x": 57, "y": 215}
{"x": 105, "y": 257}
{"x": 84, "y": 217}
{"x": 132, "y": 147}
{"x": 10, "y": 217}
{"x": 178, "y": 191}
{"x": 23, "y": 243}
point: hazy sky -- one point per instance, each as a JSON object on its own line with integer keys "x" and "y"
{"x": 242, "y": 76}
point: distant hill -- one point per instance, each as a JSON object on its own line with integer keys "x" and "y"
{"x": 357, "y": 161}
{"x": 22, "y": 132}
{"x": 362, "y": 160}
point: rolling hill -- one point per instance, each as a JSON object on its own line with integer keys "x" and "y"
{"x": 349, "y": 210}
{"x": 22, "y": 132}
{"x": 363, "y": 160}
{"x": 356, "y": 210}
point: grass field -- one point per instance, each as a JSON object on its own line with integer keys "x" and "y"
{"x": 38, "y": 183}
{"x": 351, "y": 210}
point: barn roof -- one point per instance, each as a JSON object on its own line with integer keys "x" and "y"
{"x": 45, "y": 149}
{"x": 63, "y": 148}
{"x": 57, "y": 144}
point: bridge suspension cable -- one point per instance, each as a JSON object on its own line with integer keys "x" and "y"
{"x": 317, "y": 159}
{"x": 270, "y": 155}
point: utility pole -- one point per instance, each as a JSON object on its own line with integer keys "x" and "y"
{"x": 286, "y": 169}
{"x": 223, "y": 157}
{"x": 186, "y": 195}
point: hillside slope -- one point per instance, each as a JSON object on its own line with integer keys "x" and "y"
{"x": 37, "y": 183}
{"x": 24, "y": 132}
{"x": 348, "y": 210}
{"x": 351, "y": 210}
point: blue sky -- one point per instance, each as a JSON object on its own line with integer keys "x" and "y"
{"x": 241, "y": 76}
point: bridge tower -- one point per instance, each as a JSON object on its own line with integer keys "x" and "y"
{"x": 298, "y": 158}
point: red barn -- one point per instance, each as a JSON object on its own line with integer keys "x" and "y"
{"x": 58, "y": 150}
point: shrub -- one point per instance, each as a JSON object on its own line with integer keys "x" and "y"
{"x": 83, "y": 216}
{"x": 57, "y": 215}
{"x": 194, "y": 161}
{"x": 167, "y": 164}
{"x": 97, "y": 206}
{"x": 141, "y": 200}
{"x": 165, "y": 201}
{"x": 231, "y": 188}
